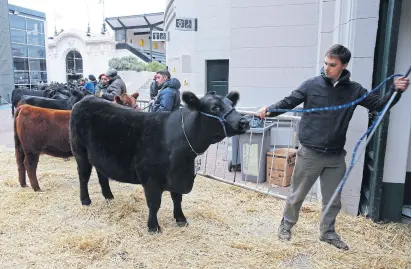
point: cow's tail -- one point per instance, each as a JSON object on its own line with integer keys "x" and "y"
{"x": 17, "y": 143}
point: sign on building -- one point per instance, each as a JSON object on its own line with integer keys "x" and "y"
{"x": 186, "y": 24}
{"x": 160, "y": 36}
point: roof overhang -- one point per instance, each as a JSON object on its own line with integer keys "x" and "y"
{"x": 141, "y": 23}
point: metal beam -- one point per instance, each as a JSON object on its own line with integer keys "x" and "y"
{"x": 148, "y": 23}
{"x": 158, "y": 28}
{"x": 121, "y": 23}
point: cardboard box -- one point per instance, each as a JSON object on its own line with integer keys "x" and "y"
{"x": 282, "y": 166}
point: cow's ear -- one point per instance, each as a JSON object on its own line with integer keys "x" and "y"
{"x": 135, "y": 95}
{"x": 191, "y": 100}
{"x": 117, "y": 99}
{"x": 234, "y": 97}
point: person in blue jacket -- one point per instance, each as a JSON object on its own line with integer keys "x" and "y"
{"x": 91, "y": 84}
{"x": 168, "y": 98}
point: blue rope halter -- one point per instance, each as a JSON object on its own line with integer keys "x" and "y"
{"x": 222, "y": 119}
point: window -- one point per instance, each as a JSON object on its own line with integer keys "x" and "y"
{"x": 120, "y": 35}
{"x": 21, "y": 77}
{"x": 18, "y": 36}
{"x": 35, "y": 38}
{"x": 18, "y": 50}
{"x": 37, "y": 65}
{"x": 37, "y": 52}
{"x": 44, "y": 76}
{"x": 74, "y": 62}
{"x": 35, "y": 26}
{"x": 20, "y": 64}
{"x": 17, "y": 22}
{"x": 29, "y": 62}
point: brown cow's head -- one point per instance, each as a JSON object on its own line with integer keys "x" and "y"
{"x": 127, "y": 100}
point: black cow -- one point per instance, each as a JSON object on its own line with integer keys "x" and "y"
{"x": 156, "y": 150}
{"x": 17, "y": 94}
{"x": 60, "y": 104}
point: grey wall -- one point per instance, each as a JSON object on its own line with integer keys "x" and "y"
{"x": 6, "y": 62}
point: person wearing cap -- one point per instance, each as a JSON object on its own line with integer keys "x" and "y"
{"x": 116, "y": 85}
{"x": 90, "y": 85}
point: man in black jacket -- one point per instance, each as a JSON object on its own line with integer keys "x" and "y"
{"x": 322, "y": 136}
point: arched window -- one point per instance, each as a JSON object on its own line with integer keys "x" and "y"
{"x": 74, "y": 66}
{"x": 74, "y": 63}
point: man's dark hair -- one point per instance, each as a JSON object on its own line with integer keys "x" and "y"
{"x": 164, "y": 73}
{"x": 340, "y": 52}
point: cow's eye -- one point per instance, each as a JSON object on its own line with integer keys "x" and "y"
{"x": 215, "y": 108}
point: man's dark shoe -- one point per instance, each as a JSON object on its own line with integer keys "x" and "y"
{"x": 336, "y": 243}
{"x": 283, "y": 233}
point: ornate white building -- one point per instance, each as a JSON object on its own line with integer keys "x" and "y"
{"x": 73, "y": 54}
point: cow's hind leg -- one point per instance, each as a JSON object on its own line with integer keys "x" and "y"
{"x": 20, "y": 165}
{"x": 177, "y": 209}
{"x": 30, "y": 162}
{"x": 104, "y": 184}
{"x": 153, "y": 194}
{"x": 84, "y": 169}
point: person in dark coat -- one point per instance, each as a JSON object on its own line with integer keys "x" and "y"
{"x": 116, "y": 85}
{"x": 168, "y": 98}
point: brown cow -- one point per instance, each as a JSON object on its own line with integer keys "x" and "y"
{"x": 127, "y": 100}
{"x": 39, "y": 131}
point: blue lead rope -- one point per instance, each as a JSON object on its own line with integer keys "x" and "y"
{"x": 357, "y": 101}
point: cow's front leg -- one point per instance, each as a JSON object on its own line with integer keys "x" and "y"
{"x": 177, "y": 209}
{"x": 153, "y": 194}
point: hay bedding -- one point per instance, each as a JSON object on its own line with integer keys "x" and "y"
{"x": 229, "y": 228}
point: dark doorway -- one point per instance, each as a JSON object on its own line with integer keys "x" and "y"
{"x": 217, "y": 76}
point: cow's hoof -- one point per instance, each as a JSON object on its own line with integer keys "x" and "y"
{"x": 24, "y": 186}
{"x": 86, "y": 202}
{"x": 153, "y": 231}
{"x": 109, "y": 197}
{"x": 182, "y": 223}
{"x": 37, "y": 189}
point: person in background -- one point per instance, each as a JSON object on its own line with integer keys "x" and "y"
{"x": 90, "y": 85}
{"x": 102, "y": 85}
{"x": 116, "y": 85}
{"x": 153, "y": 88}
{"x": 168, "y": 98}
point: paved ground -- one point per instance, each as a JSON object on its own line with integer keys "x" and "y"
{"x": 6, "y": 128}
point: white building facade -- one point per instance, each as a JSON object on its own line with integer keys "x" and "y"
{"x": 89, "y": 55}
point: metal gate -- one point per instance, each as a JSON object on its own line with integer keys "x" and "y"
{"x": 261, "y": 160}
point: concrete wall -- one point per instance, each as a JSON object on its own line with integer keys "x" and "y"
{"x": 6, "y": 61}
{"x": 273, "y": 52}
{"x": 96, "y": 53}
{"x": 397, "y": 156}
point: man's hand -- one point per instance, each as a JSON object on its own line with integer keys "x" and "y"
{"x": 262, "y": 112}
{"x": 401, "y": 84}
